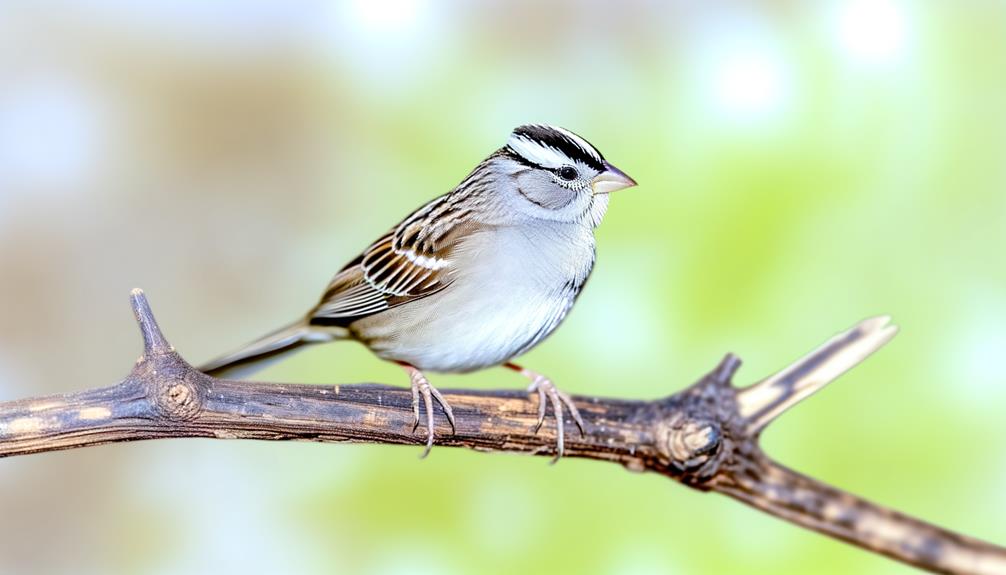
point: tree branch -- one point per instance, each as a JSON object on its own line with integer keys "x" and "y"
{"x": 705, "y": 436}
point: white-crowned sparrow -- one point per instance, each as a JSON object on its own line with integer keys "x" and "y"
{"x": 472, "y": 279}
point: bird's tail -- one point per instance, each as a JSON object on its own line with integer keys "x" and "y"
{"x": 264, "y": 351}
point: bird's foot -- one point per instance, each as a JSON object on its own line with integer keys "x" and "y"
{"x": 421, "y": 388}
{"x": 549, "y": 393}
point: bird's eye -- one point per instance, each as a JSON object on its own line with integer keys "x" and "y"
{"x": 567, "y": 173}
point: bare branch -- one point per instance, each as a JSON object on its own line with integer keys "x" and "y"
{"x": 705, "y": 436}
{"x": 784, "y": 493}
{"x": 766, "y": 400}
{"x": 153, "y": 339}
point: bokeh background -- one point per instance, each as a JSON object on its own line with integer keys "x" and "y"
{"x": 802, "y": 166}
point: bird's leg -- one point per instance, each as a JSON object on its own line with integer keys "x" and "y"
{"x": 548, "y": 392}
{"x": 421, "y": 387}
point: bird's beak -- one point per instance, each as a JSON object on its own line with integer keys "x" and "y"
{"x": 611, "y": 180}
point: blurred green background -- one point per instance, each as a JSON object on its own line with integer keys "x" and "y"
{"x": 802, "y": 165}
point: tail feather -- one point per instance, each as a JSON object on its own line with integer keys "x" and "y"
{"x": 264, "y": 351}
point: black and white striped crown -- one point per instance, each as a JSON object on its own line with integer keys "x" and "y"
{"x": 552, "y": 147}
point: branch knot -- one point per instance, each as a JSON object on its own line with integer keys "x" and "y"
{"x": 177, "y": 399}
{"x": 691, "y": 446}
{"x": 691, "y": 443}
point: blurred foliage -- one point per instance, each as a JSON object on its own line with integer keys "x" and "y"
{"x": 802, "y": 166}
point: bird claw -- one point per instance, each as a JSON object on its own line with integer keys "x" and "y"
{"x": 421, "y": 388}
{"x": 549, "y": 393}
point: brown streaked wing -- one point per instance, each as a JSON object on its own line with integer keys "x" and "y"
{"x": 386, "y": 276}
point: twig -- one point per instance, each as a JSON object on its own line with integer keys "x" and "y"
{"x": 705, "y": 436}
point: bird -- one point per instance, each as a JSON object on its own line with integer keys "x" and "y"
{"x": 472, "y": 279}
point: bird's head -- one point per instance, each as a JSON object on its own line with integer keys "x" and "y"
{"x": 558, "y": 175}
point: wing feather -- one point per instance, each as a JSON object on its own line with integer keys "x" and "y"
{"x": 408, "y": 263}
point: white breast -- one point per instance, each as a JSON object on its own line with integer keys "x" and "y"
{"x": 511, "y": 288}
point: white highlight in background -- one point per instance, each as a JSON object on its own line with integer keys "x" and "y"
{"x": 742, "y": 72}
{"x": 871, "y": 31}
{"x": 390, "y": 43}
{"x": 52, "y": 134}
{"x": 974, "y": 346}
{"x": 750, "y": 83}
{"x": 385, "y": 16}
